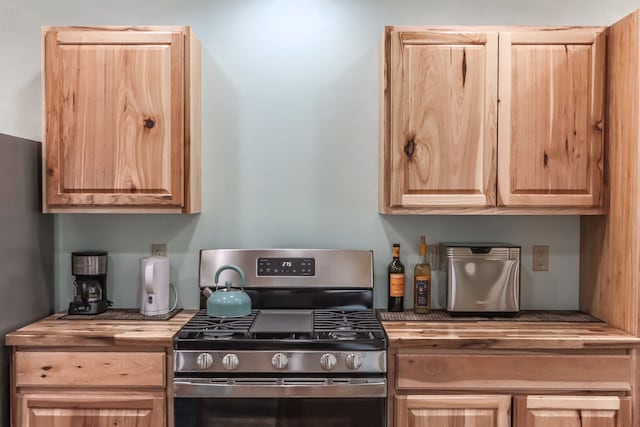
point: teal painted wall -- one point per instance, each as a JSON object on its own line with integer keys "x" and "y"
{"x": 290, "y": 134}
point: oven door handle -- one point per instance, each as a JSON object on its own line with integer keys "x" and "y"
{"x": 279, "y": 387}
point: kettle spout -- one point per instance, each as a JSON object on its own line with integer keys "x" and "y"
{"x": 206, "y": 292}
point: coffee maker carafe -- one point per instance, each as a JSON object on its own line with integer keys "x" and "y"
{"x": 90, "y": 284}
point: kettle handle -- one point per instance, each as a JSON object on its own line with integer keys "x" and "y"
{"x": 149, "y": 270}
{"x": 230, "y": 267}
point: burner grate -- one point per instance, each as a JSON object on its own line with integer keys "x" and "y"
{"x": 201, "y": 322}
{"x": 340, "y": 322}
{"x": 326, "y": 326}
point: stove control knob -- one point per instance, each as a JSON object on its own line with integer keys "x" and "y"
{"x": 279, "y": 361}
{"x": 354, "y": 361}
{"x": 204, "y": 361}
{"x": 328, "y": 361}
{"x": 230, "y": 362}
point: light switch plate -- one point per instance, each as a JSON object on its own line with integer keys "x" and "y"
{"x": 540, "y": 258}
{"x": 159, "y": 249}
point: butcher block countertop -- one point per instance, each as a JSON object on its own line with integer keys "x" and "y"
{"x": 507, "y": 335}
{"x": 52, "y": 332}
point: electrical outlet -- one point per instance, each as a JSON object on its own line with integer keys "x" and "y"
{"x": 433, "y": 257}
{"x": 159, "y": 249}
{"x": 540, "y": 258}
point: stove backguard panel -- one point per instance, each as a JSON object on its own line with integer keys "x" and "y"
{"x": 331, "y": 268}
{"x": 294, "y": 278}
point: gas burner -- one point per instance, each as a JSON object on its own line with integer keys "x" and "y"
{"x": 217, "y": 335}
{"x": 343, "y": 335}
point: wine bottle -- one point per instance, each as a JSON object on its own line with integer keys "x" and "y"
{"x": 396, "y": 281}
{"x": 422, "y": 281}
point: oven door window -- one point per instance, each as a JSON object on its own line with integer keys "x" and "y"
{"x": 280, "y": 412}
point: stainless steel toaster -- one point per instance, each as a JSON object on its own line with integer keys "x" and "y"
{"x": 481, "y": 277}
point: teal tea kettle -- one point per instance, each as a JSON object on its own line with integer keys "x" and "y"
{"x": 227, "y": 301}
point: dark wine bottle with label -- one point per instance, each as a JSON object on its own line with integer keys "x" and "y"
{"x": 396, "y": 281}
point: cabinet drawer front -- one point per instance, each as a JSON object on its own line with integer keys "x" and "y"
{"x": 90, "y": 369}
{"x": 514, "y": 372}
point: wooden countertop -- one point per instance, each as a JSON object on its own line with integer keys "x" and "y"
{"x": 51, "y": 332}
{"x": 507, "y": 335}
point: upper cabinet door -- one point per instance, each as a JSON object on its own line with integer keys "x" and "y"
{"x": 439, "y": 119}
{"x": 551, "y": 118}
{"x": 117, "y": 118}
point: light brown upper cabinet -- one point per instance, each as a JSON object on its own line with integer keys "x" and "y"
{"x": 122, "y": 119}
{"x": 492, "y": 120}
{"x": 551, "y": 118}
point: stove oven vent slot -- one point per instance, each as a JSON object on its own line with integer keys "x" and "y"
{"x": 255, "y": 381}
{"x": 302, "y": 381}
{"x": 349, "y": 381}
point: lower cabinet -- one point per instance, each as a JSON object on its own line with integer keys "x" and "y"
{"x": 572, "y": 411}
{"x": 90, "y": 409}
{"x": 458, "y": 411}
{"x": 518, "y": 388}
{"x": 528, "y": 411}
{"x": 69, "y": 387}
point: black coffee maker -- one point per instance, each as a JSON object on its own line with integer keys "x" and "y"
{"x": 90, "y": 284}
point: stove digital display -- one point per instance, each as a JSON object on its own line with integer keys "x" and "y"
{"x": 286, "y": 267}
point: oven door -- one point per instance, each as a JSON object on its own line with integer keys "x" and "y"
{"x": 280, "y": 402}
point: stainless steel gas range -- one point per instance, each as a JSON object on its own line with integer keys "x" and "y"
{"x": 310, "y": 353}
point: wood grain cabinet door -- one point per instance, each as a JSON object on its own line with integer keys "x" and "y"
{"x": 572, "y": 411}
{"x": 439, "y": 124}
{"x": 454, "y": 410}
{"x": 90, "y": 409}
{"x": 114, "y": 117}
{"x": 551, "y": 118}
